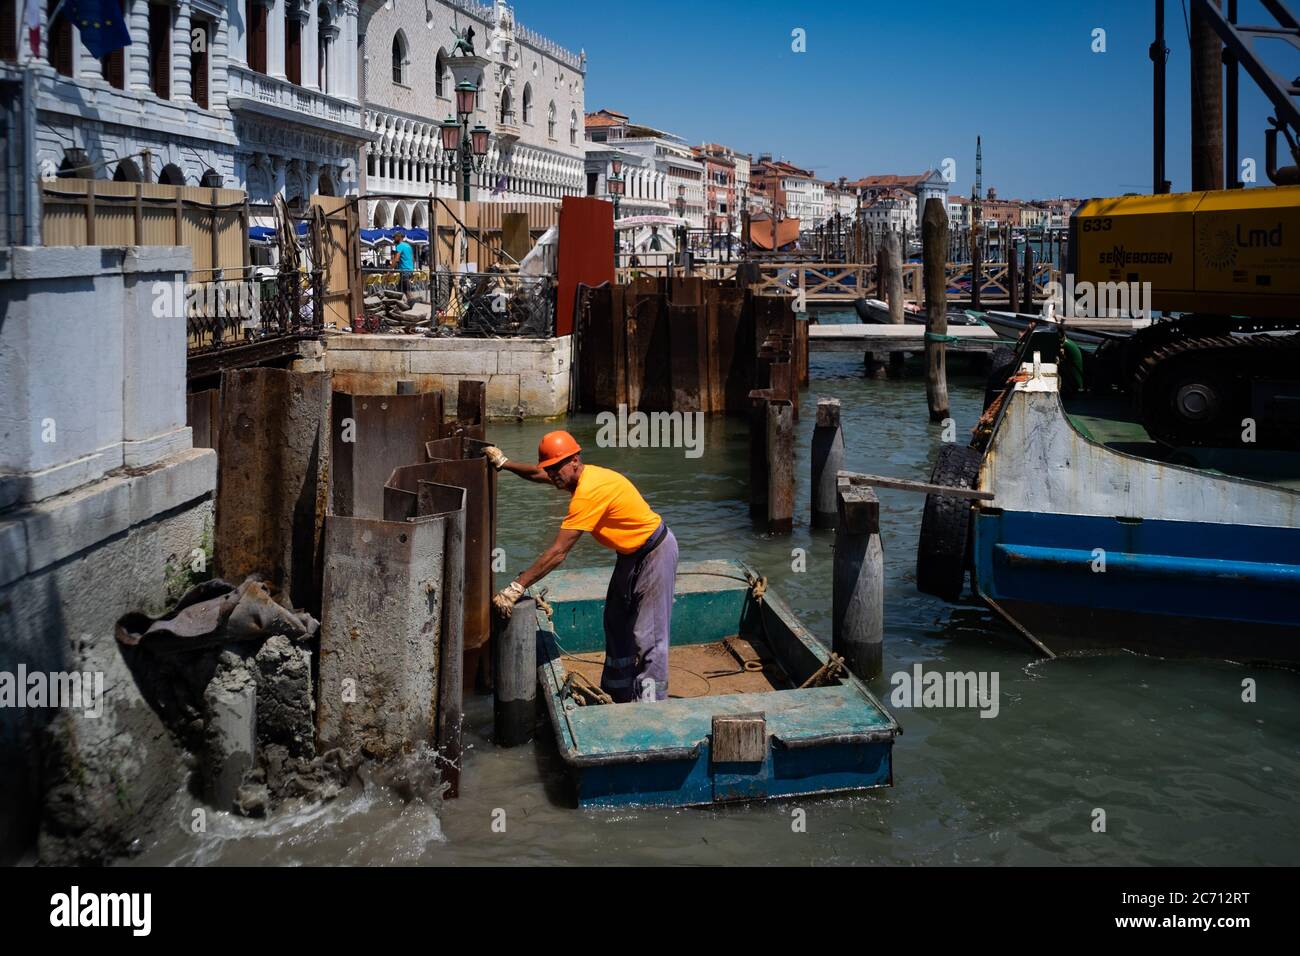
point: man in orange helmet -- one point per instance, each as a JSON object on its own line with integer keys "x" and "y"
{"x": 639, "y": 602}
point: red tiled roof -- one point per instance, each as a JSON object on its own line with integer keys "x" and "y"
{"x": 604, "y": 118}
{"x": 869, "y": 182}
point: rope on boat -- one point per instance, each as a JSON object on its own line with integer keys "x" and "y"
{"x": 826, "y": 673}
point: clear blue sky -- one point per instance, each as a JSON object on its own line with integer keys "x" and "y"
{"x": 889, "y": 87}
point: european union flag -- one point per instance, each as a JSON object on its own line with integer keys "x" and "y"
{"x": 101, "y": 25}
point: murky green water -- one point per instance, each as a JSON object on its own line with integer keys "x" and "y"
{"x": 1185, "y": 771}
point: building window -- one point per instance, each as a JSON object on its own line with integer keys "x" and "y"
{"x": 9, "y": 30}
{"x": 293, "y": 50}
{"x": 550, "y": 120}
{"x": 528, "y": 103}
{"x": 324, "y": 34}
{"x": 507, "y": 114}
{"x": 160, "y": 50}
{"x": 171, "y": 175}
{"x": 114, "y": 64}
{"x": 439, "y": 75}
{"x": 211, "y": 179}
{"x": 399, "y": 58}
{"x": 200, "y": 30}
{"x": 573, "y": 128}
{"x": 59, "y": 47}
{"x": 255, "y": 27}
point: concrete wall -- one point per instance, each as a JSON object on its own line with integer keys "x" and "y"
{"x": 525, "y": 377}
{"x": 91, "y": 379}
{"x": 104, "y": 507}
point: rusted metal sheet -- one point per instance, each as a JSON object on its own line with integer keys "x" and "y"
{"x": 434, "y": 501}
{"x": 203, "y": 416}
{"x": 685, "y": 324}
{"x": 736, "y": 348}
{"x": 381, "y": 635}
{"x": 273, "y": 480}
{"x": 471, "y": 410}
{"x": 458, "y": 461}
{"x": 372, "y": 435}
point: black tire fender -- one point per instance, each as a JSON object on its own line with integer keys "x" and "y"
{"x": 942, "y": 552}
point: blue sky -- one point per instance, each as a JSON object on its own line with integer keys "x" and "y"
{"x": 888, "y": 87}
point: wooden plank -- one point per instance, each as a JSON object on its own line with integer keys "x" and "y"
{"x": 904, "y": 484}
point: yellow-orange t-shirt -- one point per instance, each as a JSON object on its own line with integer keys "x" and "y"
{"x": 609, "y": 506}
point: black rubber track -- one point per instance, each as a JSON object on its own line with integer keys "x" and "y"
{"x": 946, "y": 525}
{"x": 1002, "y": 364}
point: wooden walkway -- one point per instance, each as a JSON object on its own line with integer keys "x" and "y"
{"x": 897, "y": 338}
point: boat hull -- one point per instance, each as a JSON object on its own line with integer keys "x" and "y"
{"x": 812, "y": 740}
{"x": 1086, "y": 547}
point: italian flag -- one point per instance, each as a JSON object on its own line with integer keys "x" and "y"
{"x": 32, "y": 21}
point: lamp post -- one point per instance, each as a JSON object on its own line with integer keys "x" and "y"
{"x": 458, "y": 138}
{"x": 614, "y": 182}
{"x": 683, "y": 234}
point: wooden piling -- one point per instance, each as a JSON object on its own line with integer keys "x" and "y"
{"x": 1027, "y": 295}
{"x": 514, "y": 659}
{"x": 894, "y": 277}
{"x": 780, "y": 466}
{"x": 934, "y": 238}
{"x": 976, "y": 269}
{"x": 858, "y": 583}
{"x": 827, "y": 462}
{"x": 1207, "y": 102}
{"x": 1013, "y": 277}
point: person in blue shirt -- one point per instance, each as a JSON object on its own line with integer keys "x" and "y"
{"x": 403, "y": 261}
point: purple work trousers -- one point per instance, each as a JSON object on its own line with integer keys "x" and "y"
{"x": 638, "y": 613}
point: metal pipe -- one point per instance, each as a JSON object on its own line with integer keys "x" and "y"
{"x": 1159, "y": 53}
{"x": 1230, "y": 63}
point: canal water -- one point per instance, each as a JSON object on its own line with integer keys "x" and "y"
{"x": 1184, "y": 771}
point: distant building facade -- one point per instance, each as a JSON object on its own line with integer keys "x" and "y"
{"x": 667, "y": 163}
{"x": 531, "y": 98}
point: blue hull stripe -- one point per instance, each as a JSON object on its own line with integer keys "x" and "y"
{"x": 1187, "y": 569}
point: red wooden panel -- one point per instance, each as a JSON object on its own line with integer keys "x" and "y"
{"x": 586, "y": 252}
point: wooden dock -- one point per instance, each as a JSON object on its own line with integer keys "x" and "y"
{"x": 848, "y": 337}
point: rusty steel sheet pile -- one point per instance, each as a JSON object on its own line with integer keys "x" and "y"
{"x": 273, "y": 480}
{"x": 372, "y": 435}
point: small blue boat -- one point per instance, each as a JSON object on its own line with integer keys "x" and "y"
{"x": 737, "y": 726}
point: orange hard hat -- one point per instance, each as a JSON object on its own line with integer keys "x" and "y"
{"x": 554, "y": 448}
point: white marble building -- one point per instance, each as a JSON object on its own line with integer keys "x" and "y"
{"x": 252, "y": 94}
{"x": 531, "y": 95}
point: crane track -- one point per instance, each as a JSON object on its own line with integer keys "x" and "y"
{"x": 1198, "y": 391}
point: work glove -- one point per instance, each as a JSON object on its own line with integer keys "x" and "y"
{"x": 496, "y": 456}
{"x": 505, "y": 599}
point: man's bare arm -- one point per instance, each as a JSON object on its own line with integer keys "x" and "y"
{"x": 526, "y": 471}
{"x": 551, "y": 558}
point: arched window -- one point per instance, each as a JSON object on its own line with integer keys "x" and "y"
{"x": 573, "y": 128}
{"x": 76, "y": 165}
{"x": 439, "y": 74}
{"x": 325, "y": 34}
{"x": 211, "y": 178}
{"x": 507, "y": 113}
{"x": 550, "y": 120}
{"x": 528, "y": 103}
{"x": 127, "y": 171}
{"x": 171, "y": 175}
{"x": 478, "y": 97}
{"x": 325, "y": 184}
{"x": 399, "y": 58}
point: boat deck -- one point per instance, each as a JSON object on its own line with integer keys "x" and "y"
{"x": 1110, "y": 421}
{"x": 705, "y": 670}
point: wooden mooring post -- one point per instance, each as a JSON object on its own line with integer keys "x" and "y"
{"x": 780, "y": 466}
{"x": 934, "y": 248}
{"x": 858, "y": 588}
{"x": 514, "y": 672}
{"x": 827, "y": 462}
{"x": 1013, "y": 274}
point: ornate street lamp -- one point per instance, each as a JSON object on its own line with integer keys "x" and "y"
{"x": 471, "y": 145}
{"x": 614, "y": 183}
